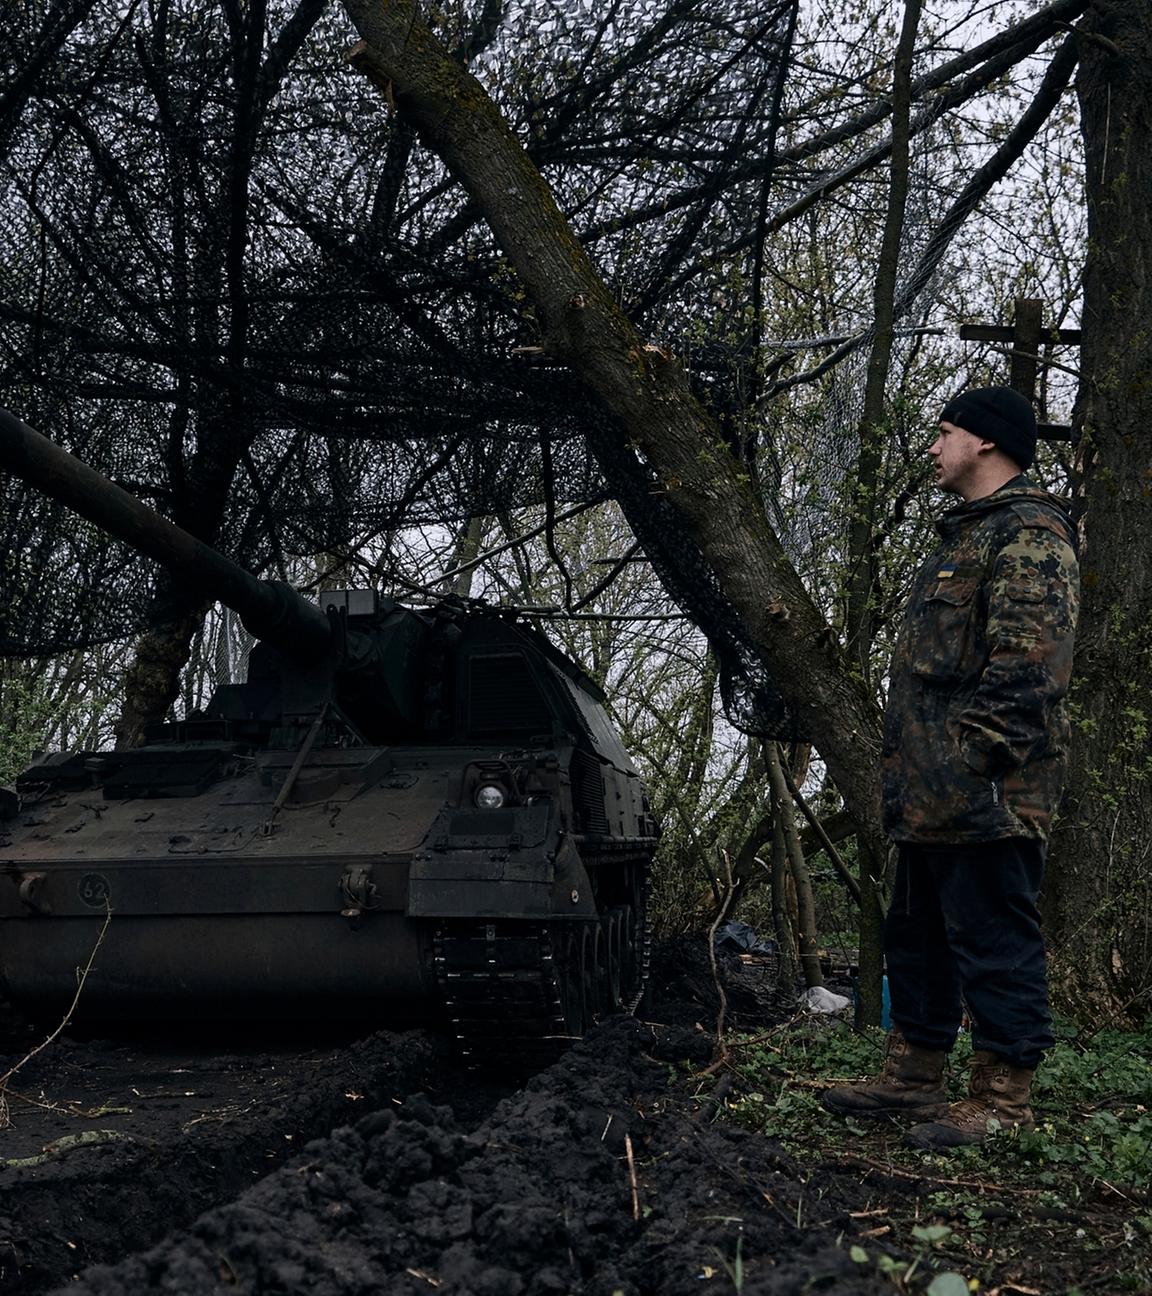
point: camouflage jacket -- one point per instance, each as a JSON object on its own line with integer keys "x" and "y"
{"x": 975, "y": 731}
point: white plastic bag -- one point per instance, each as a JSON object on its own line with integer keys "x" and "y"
{"x": 818, "y": 1000}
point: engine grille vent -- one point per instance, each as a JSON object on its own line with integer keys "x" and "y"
{"x": 588, "y": 792}
{"x": 504, "y": 698}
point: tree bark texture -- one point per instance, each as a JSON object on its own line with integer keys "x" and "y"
{"x": 644, "y": 392}
{"x": 1098, "y": 901}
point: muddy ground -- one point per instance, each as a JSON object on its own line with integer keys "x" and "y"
{"x": 382, "y": 1166}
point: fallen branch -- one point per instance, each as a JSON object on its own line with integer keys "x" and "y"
{"x": 710, "y": 1108}
{"x": 632, "y": 1176}
{"x": 62, "y": 1146}
{"x": 68, "y": 1108}
{"x": 779, "y": 1029}
{"x": 980, "y": 1185}
{"x": 1132, "y": 1195}
{"x": 81, "y": 978}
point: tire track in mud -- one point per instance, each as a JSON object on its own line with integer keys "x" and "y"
{"x": 535, "y": 1199}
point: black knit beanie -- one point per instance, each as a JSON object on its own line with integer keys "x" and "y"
{"x": 996, "y": 414}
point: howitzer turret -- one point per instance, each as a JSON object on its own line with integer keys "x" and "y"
{"x": 424, "y": 810}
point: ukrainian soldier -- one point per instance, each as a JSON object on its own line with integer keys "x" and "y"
{"x": 974, "y": 757}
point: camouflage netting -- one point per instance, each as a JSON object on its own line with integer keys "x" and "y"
{"x": 234, "y": 283}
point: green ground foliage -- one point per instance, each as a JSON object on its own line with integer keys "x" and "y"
{"x": 1066, "y": 1209}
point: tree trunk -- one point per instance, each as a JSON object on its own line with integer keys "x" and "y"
{"x": 468, "y": 544}
{"x": 152, "y": 682}
{"x": 1098, "y": 899}
{"x": 872, "y": 858}
{"x": 862, "y": 539}
{"x": 645, "y": 392}
{"x": 862, "y": 527}
{"x": 784, "y": 916}
{"x": 806, "y": 937}
{"x": 212, "y": 304}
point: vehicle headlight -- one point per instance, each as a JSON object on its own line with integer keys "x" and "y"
{"x": 490, "y": 796}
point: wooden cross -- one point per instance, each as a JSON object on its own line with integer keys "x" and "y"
{"x": 1025, "y": 338}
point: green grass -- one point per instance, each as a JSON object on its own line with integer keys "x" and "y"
{"x": 1066, "y": 1208}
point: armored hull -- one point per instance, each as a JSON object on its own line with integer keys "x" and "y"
{"x": 417, "y": 811}
{"x": 272, "y": 858}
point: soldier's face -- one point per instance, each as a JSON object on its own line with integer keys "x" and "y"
{"x": 956, "y": 454}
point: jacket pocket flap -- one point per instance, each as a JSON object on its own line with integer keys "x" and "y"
{"x": 1027, "y": 591}
{"x": 953, "y": 591}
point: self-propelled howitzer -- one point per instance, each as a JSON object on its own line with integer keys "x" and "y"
{"x": 400, "y": 812}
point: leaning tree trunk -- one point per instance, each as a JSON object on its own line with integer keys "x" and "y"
{"x": 643, "y": 388}
{"x": 1099, "y": 895}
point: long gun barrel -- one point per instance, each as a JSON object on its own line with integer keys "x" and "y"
{"x": 270, "y": 610}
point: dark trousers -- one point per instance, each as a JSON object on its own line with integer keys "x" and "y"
{"x": 963, "y": 923}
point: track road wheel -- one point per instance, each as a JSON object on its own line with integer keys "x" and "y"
{"x": 588, "y": 970}
{"x": 613, "y": 955}
{"x": 600, "y": 971}
{"x": 631, "y": 955}
{"x": 571, "y": 973}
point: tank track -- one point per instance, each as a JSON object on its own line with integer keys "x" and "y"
{"x": 508, "y": 989}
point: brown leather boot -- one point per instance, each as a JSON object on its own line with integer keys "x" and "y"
{"x": 911, "y": 1083}
{"x": 997, "y": 1097}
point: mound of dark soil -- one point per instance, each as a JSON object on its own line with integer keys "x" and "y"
{"x": 109, "y": 1146}
{"x": 384, "y": 1166}
{"x": 600, "y": 1175}
{"x": 593, "y": 1178}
